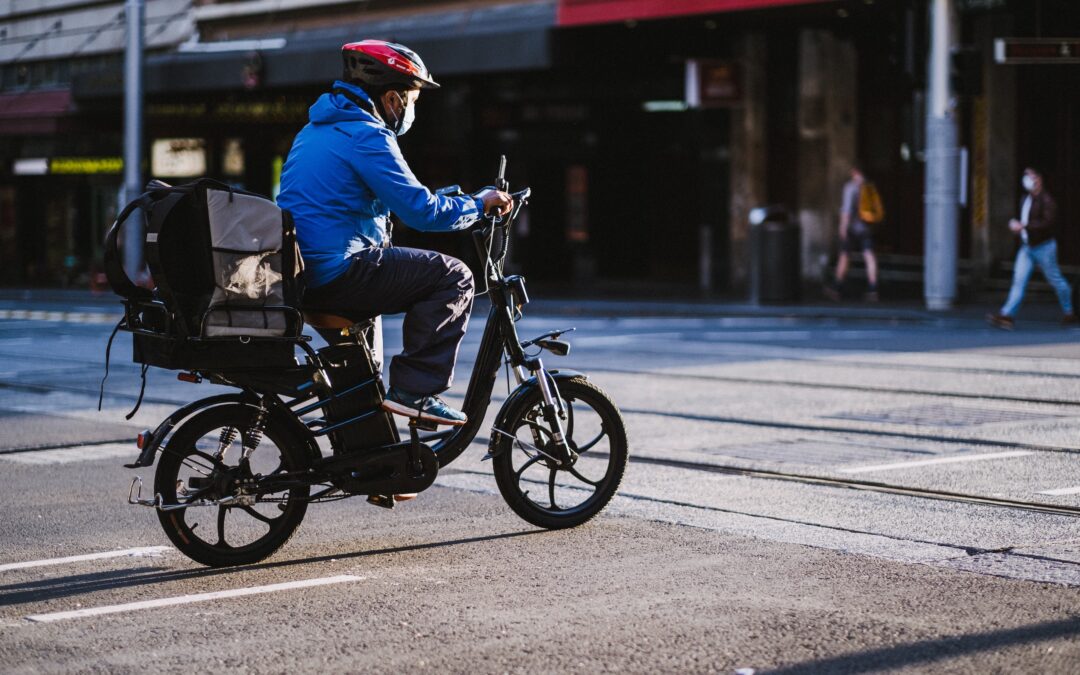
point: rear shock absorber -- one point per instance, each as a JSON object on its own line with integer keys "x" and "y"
{"x": 254, "y": 433}
{"x": 225, "y": 441}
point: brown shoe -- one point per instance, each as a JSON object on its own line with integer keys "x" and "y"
{"x": 831, "y": 292}
{"x": 1000, "y": 321}
{"x": 1070, "y": 320}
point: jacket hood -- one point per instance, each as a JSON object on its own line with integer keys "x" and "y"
{"x": 331, "y": 108}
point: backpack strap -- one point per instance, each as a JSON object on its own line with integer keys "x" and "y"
{"x": 114, "y": 266}
{"x": 151, "y": 249}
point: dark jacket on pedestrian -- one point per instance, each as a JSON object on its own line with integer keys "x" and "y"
{"x": 1042, "y": 219}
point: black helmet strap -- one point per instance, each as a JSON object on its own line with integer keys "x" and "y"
{"x": 367, "y": 107}
{"x": 361, "y": 103}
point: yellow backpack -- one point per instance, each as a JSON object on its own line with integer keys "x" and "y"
{"x": 871, "y": 210}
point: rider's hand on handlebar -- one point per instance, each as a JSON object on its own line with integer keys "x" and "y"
{"x": 496, "y": 203}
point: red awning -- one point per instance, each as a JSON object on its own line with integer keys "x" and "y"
{"x": 581, "y": 12}
{"x": 33, "y": 112}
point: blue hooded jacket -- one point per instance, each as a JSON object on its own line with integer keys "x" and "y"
{"x": 344, "y": 176}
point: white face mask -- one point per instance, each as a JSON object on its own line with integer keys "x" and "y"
{"x": 407, "y": 118}
{"x": 1028, "y": 182}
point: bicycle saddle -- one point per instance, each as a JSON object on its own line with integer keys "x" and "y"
{"x": 317, "y": 319}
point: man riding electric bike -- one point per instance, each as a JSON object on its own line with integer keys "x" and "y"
{"x": 344, "y": 175}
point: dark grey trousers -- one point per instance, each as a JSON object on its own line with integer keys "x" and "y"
{"x": 434, "y": 291}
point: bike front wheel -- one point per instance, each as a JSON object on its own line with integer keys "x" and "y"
{"x": 533, "y": 483}
{"x": 203, "y": 463}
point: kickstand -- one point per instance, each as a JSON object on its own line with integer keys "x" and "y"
{"x": 385, "y": 501}
{"x": 415, "y": 464}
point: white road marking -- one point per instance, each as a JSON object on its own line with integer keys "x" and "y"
{"x": 939, "y": 460}
{"x": 127, "y": 552}
{"x": 187, "y": 599}
{"x": 65, "y": 317}
{"x": 77, "y": 453}
{"x": 1062, "y": 491}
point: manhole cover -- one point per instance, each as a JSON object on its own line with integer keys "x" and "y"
{"x": 942, "y": 416}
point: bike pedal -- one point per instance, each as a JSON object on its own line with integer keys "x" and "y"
{"x": 423, "y": 425}
{"x": 385, "y": 501}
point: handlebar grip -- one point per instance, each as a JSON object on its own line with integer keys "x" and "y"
{"x": 500, "y": 178}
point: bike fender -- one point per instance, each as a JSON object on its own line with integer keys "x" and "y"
{"x": 501, "y": 419}
{"x": 157, "y": 437}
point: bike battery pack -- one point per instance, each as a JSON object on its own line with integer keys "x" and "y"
{"x": 358, "y": 393}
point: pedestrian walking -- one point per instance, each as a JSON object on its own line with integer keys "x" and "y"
{"x": 860, "y": 209}
{"x": 1037, "y": 231}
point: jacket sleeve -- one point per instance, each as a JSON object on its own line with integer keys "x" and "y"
{"x": 1045, "y": 217}
{"x": 379, "y": 163}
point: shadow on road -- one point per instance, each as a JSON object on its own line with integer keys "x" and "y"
{"x": 929, "y": 651}
{"x": 54, "y": 588}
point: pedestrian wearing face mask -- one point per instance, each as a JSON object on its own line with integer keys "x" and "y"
{"x": 344, "y": 175}
{"x": 1037, "y": 230}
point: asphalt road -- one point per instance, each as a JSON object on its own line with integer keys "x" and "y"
{"x": 799, "y": 499}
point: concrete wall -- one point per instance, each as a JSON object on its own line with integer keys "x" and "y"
{"x": 42, "y": 30}
{"x": 826, "y": 133}
{"x": 824, "y": 152}
{"x": 748, "y": 153}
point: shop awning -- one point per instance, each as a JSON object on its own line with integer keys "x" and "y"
{"x": 492, "y": 38}
{"x": 585, "y": 12}
{"x": 33, "y": 112}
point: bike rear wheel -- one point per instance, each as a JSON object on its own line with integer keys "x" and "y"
{"x": 203, "y": 461}
{"x": 533, "y": 484}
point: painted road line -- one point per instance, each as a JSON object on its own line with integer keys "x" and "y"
{"x": 939, "y": 460}
{"x": 125, "y": 553}
{"x": 76, "y": 453}
{"x": 187, "y": 599}
{"x": 1061, "y": 491}
{"x": 65, "y": 317}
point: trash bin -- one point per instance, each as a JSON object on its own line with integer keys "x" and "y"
{"x": 775, "y": 261}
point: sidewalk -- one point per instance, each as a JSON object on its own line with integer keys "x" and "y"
{"x": 16, "y": 302}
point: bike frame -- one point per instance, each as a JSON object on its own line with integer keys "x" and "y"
{"x": 499, "y": 343}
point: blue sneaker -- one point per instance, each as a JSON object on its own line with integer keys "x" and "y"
{"x": 429, "y": 408}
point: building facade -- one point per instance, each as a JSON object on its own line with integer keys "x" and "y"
{"x": 60, "y": 166}
{"x": 648, "y": 129}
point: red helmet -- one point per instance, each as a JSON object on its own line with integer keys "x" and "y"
{"x": 385, "y": 64}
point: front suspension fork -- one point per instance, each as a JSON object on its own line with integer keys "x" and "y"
{"x": 554, "y": 413}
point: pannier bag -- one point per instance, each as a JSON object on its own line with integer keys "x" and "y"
{"x": 228, "y": 277}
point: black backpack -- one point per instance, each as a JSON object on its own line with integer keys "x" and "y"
{"x": 227, "y": 272}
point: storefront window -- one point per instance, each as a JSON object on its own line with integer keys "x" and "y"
{"x": 178, "y": 157}
{"x": 232, "y": 157}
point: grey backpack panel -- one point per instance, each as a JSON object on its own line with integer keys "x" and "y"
{"x": 246, "y": 236}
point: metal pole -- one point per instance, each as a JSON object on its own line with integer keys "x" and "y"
{"x": 941, "y": 200}
{"x": 133, "y": 132}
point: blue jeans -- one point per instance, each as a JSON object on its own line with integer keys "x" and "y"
{"x": 1045, "y": 256}
{"x": 434, "y": 291}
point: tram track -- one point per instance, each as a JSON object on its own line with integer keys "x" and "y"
{"x": 863, "y": 485}
{"x": 842, "y": 358}
{"x": 741, "y": 421}
{"x": 730, "y": 379}
{"x": 824, "y": 428}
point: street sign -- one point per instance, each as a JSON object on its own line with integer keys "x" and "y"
{"x": 712, "y": 83}
{"x": 1036, "y": 50}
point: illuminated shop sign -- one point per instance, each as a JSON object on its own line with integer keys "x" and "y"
{"x": 34, "y": 166}
{"x": 244, "y": 111}
{"x": 1034, "y": 50}
{"x": 178, "y": 157}
{"x": 582, "y": 12}
{"x": 67, "y": 166}
{"x": 85, "y": 166}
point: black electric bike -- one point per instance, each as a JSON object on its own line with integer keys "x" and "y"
{"x": 237, "y": 471}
